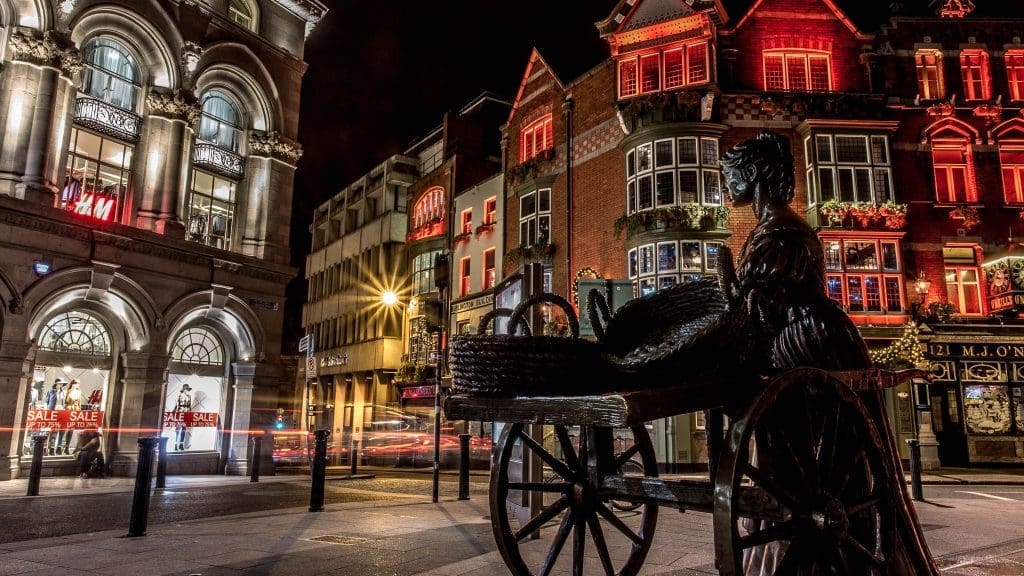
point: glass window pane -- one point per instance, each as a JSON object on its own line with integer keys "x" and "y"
{"x": 662, "y": 153}
{"x": 879, "y": 150}
{"x": 861, "y": 256}
{"x": 687, "y": 186}
{"x": 851, "y": 149}
{"x": 890, "y": 262}
{"x": 645, "y": 193}
{"x": 643, "y": 158}
{"x": 87, "y": 144}
{"x": 647, "y": 259}
{"x": 544, "y": 200}
{"x": 827, "y": 184}
{"x": 528, "y": 205}
{"x": 691, "y": 257}
{"x": 202, "y": 182}
{"x": 709, "y": 152}
{"x": 824, "y": 145}
{"x": 666, "y": 188}
{"x": 712, "y": 187}
{"x": 687, "y": 150}
{"x": 667, "y": 257}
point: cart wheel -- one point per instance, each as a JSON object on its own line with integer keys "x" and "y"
{"x": 808, "y": 443}
{"x": 618, "y": 544}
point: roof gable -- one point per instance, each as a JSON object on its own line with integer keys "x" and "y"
{"x": 635, "y": 14}
{"x": 767, "y": 5}
{"x": 536, "y": 64}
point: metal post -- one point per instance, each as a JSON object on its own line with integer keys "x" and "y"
{"x": 257, "y": 443}
{"x": 354, "y": 456}
{"x": 441, "y": 273}
{"x": 463, "y": 466}
{"x": 38, "y": 447}
{"x": 143, "y": 479}
{"x": 161, "y": 464}
{"x": 316, "y": 494}
{"x": 916, "y": 491}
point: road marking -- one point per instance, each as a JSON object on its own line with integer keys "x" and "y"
{"x": 992, "y": 496}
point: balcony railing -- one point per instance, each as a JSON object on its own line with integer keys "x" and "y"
{"x": 219, "y": 160}
{"x": 107, "y": 119}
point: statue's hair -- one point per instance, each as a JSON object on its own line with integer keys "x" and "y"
{"x": 768, "y": 152}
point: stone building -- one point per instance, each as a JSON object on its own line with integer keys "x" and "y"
{"x": 147, "y": 152}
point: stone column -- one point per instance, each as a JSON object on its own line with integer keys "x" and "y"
{"x": 143, "y": 375}
{"x": 241, "y": 419}
{"x": 16, "y": 361}
{"x": 166, "y": 145}
{"x": 42, "y": 69}
{"x": 271, "y": 174}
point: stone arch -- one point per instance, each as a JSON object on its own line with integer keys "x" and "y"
{"x": 1013, "y": 126}
{"x": 950, "y": 126}
{"x": 234, "y": 321}
{"x": 235, "y": 68}
{"x": 10, "y": 296}
{"x": 155, "y": 43}
{"x": 36, "y": 14}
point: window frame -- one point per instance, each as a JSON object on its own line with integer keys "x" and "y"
{"x": 1013, "y": 62}
{"x": 948, "y": 169}
{"x": 528, "y": 235}
{"x": 135, "y": 82}
{"x": 466, "y": 221}
{"x": 465, "y": 275}
{"x": 542, "y": 127}
{"x": 207, "y": 236}
{"x": 958, "y": 285}
{"x": 95, "y": 207}
{"x": 786, "y": 55}
{"x": 923, "y": 67}
{"x": 489, "y": 267}
{"x": 694, "y": 68}
{"x": 975, "y": 75}
{"x": 491, "y": 210}
{"x": 253, "y": 16}
{"x": 819, "y": 164}
{"x": 839, "y": 269}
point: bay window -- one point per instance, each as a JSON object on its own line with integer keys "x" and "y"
{"x": 797, "y": 71}
{"x": 672, "y": 67}
{"x": 974, "y": 70}
{"x": 660, "y": 265}
{"x": 864, "y": 275}
{"x": 848, "y": 168}
{"x": 672, "y": 172}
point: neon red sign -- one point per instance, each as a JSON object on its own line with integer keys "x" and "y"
{"x": 99, "y": 207}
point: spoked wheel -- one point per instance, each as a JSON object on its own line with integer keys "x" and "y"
{"x": 603, "y": 541}
{"x": 809, "y": 444}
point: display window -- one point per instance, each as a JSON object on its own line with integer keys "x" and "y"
{"x": 987, "y": 410}
{"x": 193, "y": 399}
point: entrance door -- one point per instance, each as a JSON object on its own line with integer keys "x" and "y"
{"x": 947, "y": 421}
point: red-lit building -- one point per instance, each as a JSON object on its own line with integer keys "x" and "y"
{"x": 908, "y": 137}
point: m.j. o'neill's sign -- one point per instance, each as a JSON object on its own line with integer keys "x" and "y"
{"x": 1005, "y": 275}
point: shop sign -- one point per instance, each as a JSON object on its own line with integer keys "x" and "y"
{"x": 63, "y": 419}
{"x": 333, "y": 360}
{"x": 1005, "y": 275}
{"x": 478, "y": 302}
{"x": 190, "y": 419}
{"x": 952, "y": 350}
{"x": 265, "y": 304}
{"x": 418, "y": 392}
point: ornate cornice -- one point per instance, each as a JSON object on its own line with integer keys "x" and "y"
{"x": 48, "y": 48}
{"x": 274, "y": 145}
{"x": 309, "y": 10}
{"x": 45, "y": 225}
{"x": 176, "y": 104}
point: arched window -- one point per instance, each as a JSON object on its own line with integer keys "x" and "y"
{"x": 197, "y": 346}
{"x": 243, "y": 13}
{"x": 78, "y": 332}
{"x": 111, "y": 74}
{"x": 221, "y": 124}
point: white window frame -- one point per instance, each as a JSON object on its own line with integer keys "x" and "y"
{"x": 786, "y": 55}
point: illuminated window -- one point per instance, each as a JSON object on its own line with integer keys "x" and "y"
{"x": 974, "y": 69}
{"x": 423, "y": 273}
{"x": 220, "y": 123}
{"x": 963, "y": 289}
{"x": 864, "y": 275}
{"x": 929, "y": 74}
{"x": 797, "y": 71}
{"x": 670, "y": 68}
{"x": 464, "y": 276}
{"x": 243, "y": 13}
{"x": 654, "y": 267}
{"x": 1011, "y": 162}
{"x": 490, "y": 210}
{"x": 953, "y": 168}
{"x": 536, "y": 138}
{"x": 535, "y": 218}
{"x": 77, "y": 332}
{"x": 429, "y": 208}
{"x": 197, "y": 346}
{"x": 211, "y": 210}
{"x": 849, "y": 168}
{"x": 111, "y": 74}
{"x": 466, "y": 222}
{"x": 1015, "y": 73}
{"x": 489, "y": 268}
{"x": 671, "y": 172}
{"x": 97, "y": 176}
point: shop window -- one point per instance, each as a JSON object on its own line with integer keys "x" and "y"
{"x": 211, "y": 210}
{"x": 929, "y": 74}
{"x": 535, "y": 218}
{"x": 796, "y": 71}
{"x": 490, "y": 210}
{"x": 953, "y": 168}
{"x": 465, "y": 275}
{"x": 193, "y": 397}
{"x": 111, "y": 74}
{"x": 537, "y": 137}
{"x": 963, "y": 289}
{"x": 864, "y": 275}
{"x": 1015, "y": 73}
{"x": 244, "y": 13}
{"x": 674, "y": 67}
{"x": 989, "y": 409}
{"x": 489, "y": 258}
{"x": 975, "y": 74}
{"x": 466, "y": 221}
{"x": 97, "y": 176}
{"x": 429, "y": 207}
{"x": 849, "y": 168}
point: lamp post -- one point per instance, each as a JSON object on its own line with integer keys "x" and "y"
{"x": 441, "y": 271}
{"x": 928, "y": 443}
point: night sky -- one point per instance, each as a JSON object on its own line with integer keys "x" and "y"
{"x": 382, "y": 74}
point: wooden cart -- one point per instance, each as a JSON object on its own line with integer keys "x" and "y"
{"x": 802, "y": 481}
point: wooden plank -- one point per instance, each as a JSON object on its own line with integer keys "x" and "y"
{"x": 686, "y": 494}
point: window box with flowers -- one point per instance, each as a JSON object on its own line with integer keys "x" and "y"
{"x": 529, "y": 253}
{"x": 460, "y": 238}
{"x": 969, "y": 214}
{"x": 530, "y": 168}
{"x": 485, "y": 227}
{"x": 864, "y": 215}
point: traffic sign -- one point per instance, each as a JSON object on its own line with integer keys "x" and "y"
{"x": 311, "y": 367}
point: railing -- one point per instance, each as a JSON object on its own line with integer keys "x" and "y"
{"x": 219, "y": 160}
{"x": 107, "y": 119}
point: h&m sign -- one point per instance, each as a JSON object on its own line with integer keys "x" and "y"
{"x": 954, "y": 350}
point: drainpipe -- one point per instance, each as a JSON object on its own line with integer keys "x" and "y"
{"x": 567, "y": 110}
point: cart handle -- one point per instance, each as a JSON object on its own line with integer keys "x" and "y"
{"x": 517, "y": 320}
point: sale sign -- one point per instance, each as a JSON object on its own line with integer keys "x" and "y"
{"x": 64, "y": 419}
{"x": 190, "y": 419}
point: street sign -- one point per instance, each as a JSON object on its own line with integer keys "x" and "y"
{"x": 310, "y": 367}
{"x": 304, "y": 343}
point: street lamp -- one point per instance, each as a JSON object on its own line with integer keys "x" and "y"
{"x": 921, "y": 287}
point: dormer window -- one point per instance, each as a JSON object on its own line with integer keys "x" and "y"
{"x": 536, "y": 138}
{"x": 974, "y": 69}
{"x": 797, "y": 71}
{"x": 667, "y": 69}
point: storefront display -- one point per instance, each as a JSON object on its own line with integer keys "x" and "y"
{"x": 62, "y": 402}
{"x": 192, "y": 405}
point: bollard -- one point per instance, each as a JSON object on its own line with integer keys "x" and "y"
{"x": 38, "y": 446}
{"x": 143, "y": 478}
{"x": 917, "y": 493}
{"x": 161, "y": 463}
{"x": 319, "y": 470}
{"x": 354, "y": 456}
{"x": 463, "y": 466}
{"x": 257, "y": 443}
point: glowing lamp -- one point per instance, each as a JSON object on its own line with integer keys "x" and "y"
{"x": 389, "y": 298}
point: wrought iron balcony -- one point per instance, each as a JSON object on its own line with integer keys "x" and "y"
{"x": 218, "y": 160}
{"x": 107, "y": 119}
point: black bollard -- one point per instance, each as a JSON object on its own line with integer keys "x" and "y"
{"x": 463, "y": 466}
{"x": 316, "y": 494}
{"x": 354, "y": 456}
{"x": 257, "y": 443}
{"x": 916, "y": 490}
{"x": 38, "y": 447}
{"x": 143, "y": 479}
{"x": 161, "y": 463}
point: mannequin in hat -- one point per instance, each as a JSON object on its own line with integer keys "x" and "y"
{"x": 183, "y": 404}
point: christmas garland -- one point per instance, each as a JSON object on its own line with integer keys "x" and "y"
{"x": 906, "y": 352}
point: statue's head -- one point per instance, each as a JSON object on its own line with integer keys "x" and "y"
{"x": 764, "y": 159}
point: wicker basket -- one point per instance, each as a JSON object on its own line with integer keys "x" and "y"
{"x": 510, "y": 365}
